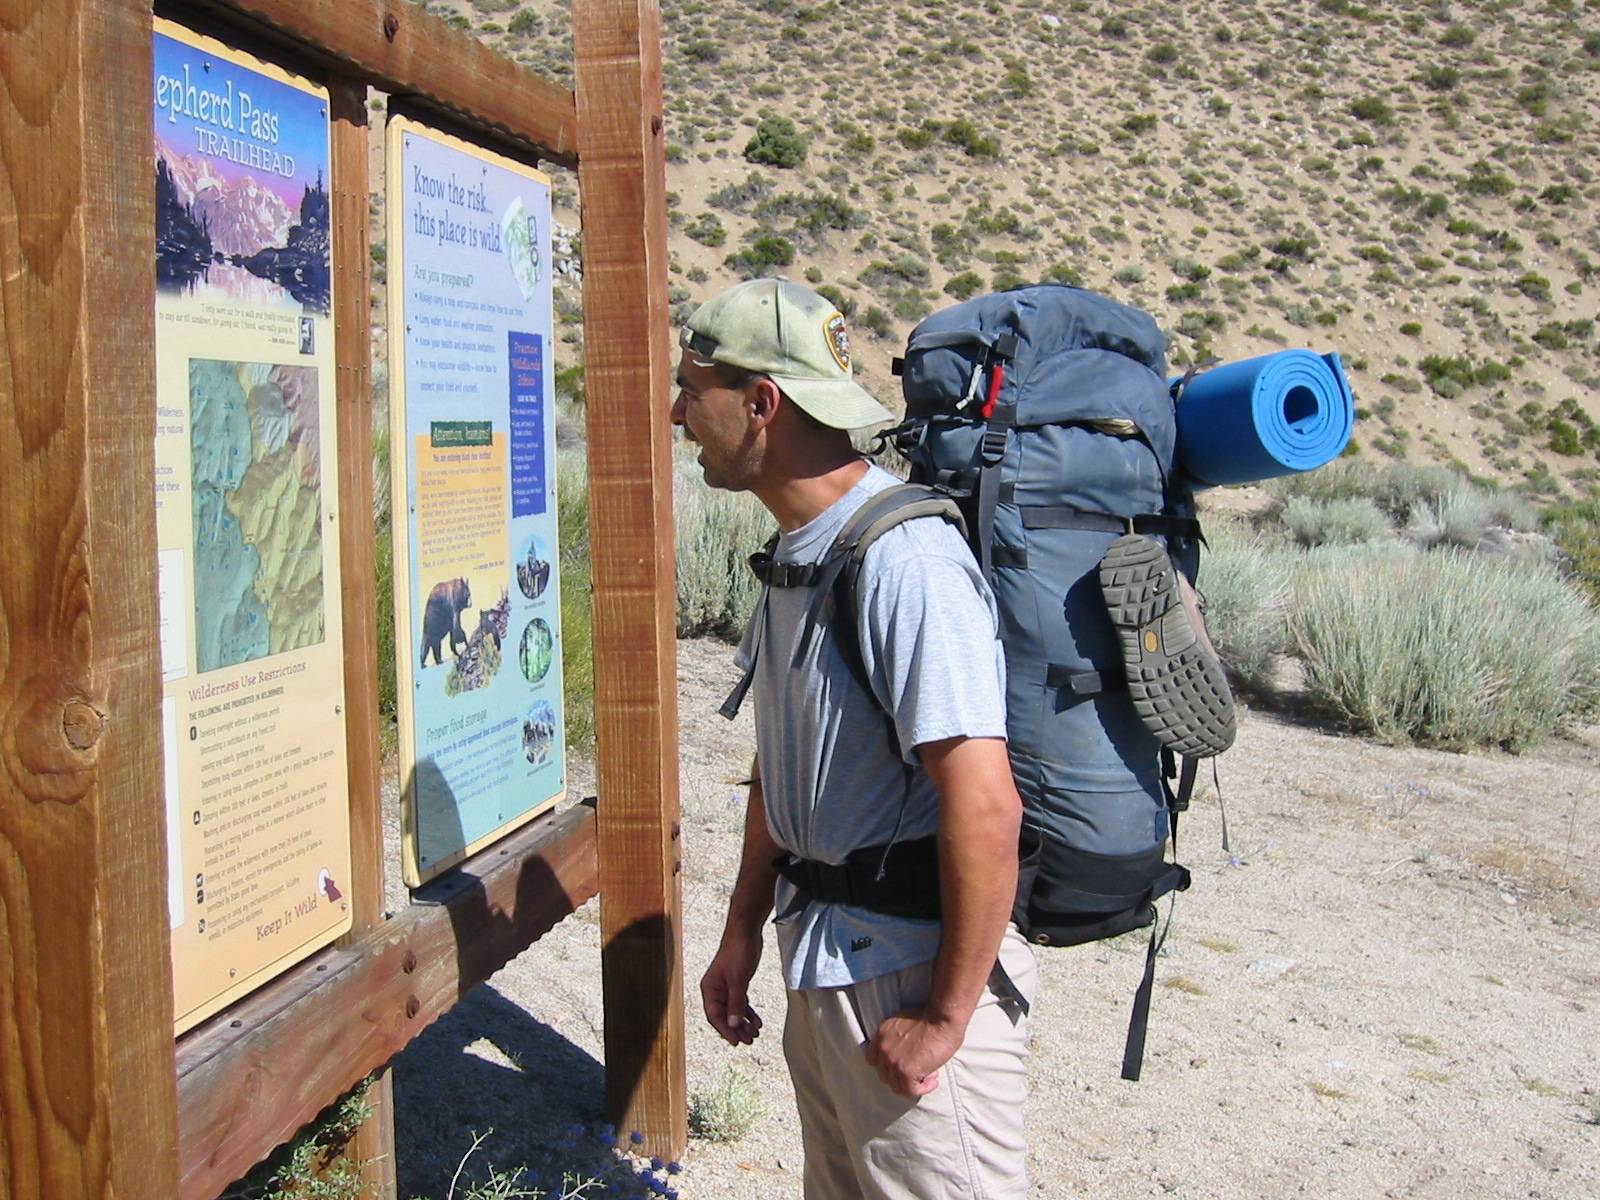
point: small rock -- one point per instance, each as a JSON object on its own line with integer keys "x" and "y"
{"x": 1272, "y": 966}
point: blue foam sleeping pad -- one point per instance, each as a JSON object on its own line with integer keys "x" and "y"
{"x": 1274, "y": 415}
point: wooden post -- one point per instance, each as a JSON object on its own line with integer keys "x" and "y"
{"x": 373, "y": 1145}
{"x": 87, "y": 1094}
{"x": 622, "y": 174}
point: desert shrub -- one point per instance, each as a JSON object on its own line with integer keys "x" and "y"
{"x": 918, "y": 137}
{"x": 1163, "y": 53}
{"x": 1533, "y": 286}
{"x": 716, "y": 531}
{"x": 776, "y": 143}
{"x": 1575, "y": 528}
{"x": 1485, "y": 179}
{"x": 766, "y": 250}
{"x": 964, "y": 285}
{"x": 1245, "y": 582}
{"x": 736, "y": 197}
{"x": 726, "y": 1108}
{"x": 1450, "y": 649}
{"x": 1464, "y": 515}
{"x": 383, "y": 565}
{"x": 1372, "y": 108}
{"x": 577, "y": 629}
{"x": 707, "y": 229}
{"x": 1441, "y": 79}
{"x": 1061, "y": 272}
{"x": 1458, "y": 37}
{"x": 523, "y": 22}
{"x": 965, "y": 134}
{"x": 1114, "y": 27}
{"x": 845, "y": 304}
{"x": 1334, "y": 522}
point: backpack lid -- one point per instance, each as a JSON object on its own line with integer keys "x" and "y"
{"x": 1070, "y": 355}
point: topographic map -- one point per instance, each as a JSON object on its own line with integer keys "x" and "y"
{"x": 257, "y": 510}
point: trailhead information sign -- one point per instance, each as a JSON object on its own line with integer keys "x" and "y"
{"x": 256, "y": 786}
{"x": 477, "y": 588}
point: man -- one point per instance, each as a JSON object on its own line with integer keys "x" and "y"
{"x": 905, "y": 1031}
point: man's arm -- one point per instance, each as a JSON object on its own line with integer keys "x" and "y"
{"x": 724, "y": 987}
{"x": 980, "y": 816}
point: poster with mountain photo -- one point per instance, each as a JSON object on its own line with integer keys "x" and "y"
{"x": 256, "y": 781}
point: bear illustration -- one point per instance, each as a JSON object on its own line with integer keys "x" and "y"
{"x": 489, "y": 626}
{"x": 442, "y": 617}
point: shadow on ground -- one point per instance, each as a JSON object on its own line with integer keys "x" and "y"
{"x": 487, "y": 1064}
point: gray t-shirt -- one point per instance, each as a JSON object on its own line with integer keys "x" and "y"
{"x": 829, "y": 775}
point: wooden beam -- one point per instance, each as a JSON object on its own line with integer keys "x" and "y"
{"x": 399, "y": 48}
{"x": 371, "y": 1149}
{"x": 622, "y": 175}
{"x": 86, "y": 1086}
{"x": 251, "y": 1077}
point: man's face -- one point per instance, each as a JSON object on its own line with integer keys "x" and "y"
{"x": 719, "y": 420}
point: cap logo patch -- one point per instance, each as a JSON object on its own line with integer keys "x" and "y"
{"x": 838, "y": 340}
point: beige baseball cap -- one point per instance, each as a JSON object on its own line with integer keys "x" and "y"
{"x": 798, "y": 338}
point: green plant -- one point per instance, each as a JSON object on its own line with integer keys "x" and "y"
{"x": 1245, "y": 582}
{"x": 707, "y": 229}
{"x": 310, "y": 1166}
{"x": 1441, "y": 79}
{"x": 1533, "y": 286}
{"x": 1575, "y": 528}
{"x": 766, "y": 250}
{"x": 577, "y": 629}
{"x": 1452, "y": 649}
{"x": 715, "y": 532}
{"x": 1373, "y": 109}
{"x": 383, "y": 597}
{"x": 964, "y": 285}
{"x": 1333, "y": 522}
{"x": 1485, "y": 179}
{"x": 776, "y": 143}
{"x": 575, "y": 1166}
{"x": 725, "y": 1109}
{"x": 964, "y": 134}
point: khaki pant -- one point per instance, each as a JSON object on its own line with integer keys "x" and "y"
{"x": 863, "y": 1142}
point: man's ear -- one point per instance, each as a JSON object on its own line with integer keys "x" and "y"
{"x": 763, "y": 400}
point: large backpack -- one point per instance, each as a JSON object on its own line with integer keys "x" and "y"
{"x": 1043, "y": 417}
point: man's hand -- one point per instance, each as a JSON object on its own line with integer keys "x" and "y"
{"x": 724, "y": 988}
{"x": 908, "y": 1050}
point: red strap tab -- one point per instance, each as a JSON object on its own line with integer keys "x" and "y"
{"x": 996, "y": 378}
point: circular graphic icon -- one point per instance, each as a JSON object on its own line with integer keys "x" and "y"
{"x": 533, "y": 570}
{"x": 537, "y": 649}
{"x": 539, "y": 733}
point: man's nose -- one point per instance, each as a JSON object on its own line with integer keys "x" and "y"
{"x": 677, "y": 409}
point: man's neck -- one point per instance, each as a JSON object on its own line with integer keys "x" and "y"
{"x": 803, "y": 496}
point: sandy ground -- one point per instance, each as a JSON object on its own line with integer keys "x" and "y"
{"x": 1389, "y": 988}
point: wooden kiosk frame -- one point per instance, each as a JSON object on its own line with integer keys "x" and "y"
{"x": 96, "y": 1099}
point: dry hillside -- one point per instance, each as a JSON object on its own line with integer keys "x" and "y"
{"x": 1408, "y": 183}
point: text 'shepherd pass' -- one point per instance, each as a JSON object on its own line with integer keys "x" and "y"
{"x": 252, "y": 710}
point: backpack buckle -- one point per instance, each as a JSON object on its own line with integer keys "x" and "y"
{"x": 993, "y": 446}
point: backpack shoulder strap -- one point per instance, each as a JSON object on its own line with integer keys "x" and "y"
{"x": 891, "y": 507}
{"x": 836, "y": 576}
